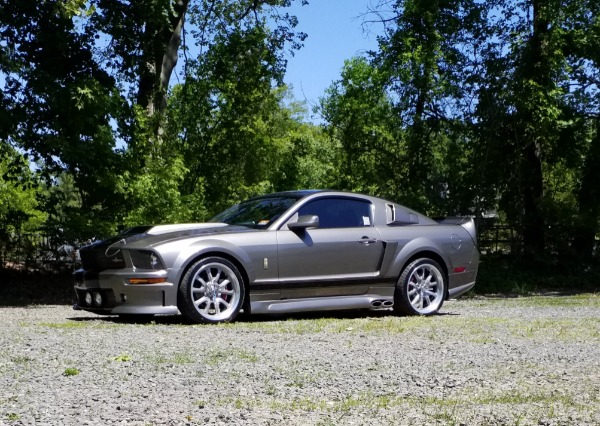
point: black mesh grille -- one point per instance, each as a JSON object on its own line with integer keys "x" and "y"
{"x": 97, "y": 260}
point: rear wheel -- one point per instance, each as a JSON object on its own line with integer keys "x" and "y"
{"x": 421, "y": 288}
{"x": 211, "y": 291}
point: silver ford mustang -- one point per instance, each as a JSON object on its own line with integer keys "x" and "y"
{"x": 285, "y": 252}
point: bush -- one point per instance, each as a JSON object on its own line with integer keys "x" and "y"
{"x": 512, "y": 275}
{"x": 21, "y": 288}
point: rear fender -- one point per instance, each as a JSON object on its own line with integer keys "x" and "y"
{"x": 465, "y": 221}
{"x": 411, "y": 250}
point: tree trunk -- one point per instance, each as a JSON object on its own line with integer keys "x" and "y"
{"x": 536, "y": 68}
{"x": 533, "y": 191}
{"x": 161, "y": 48}
{"x": 587, "y": 227}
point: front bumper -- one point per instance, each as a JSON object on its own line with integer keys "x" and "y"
{"x": 110, "y": 293}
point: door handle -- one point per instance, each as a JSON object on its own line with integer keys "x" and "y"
{"x": 367, "y": 240}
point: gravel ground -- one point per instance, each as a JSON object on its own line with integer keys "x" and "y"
{"x": 522, "y": 361}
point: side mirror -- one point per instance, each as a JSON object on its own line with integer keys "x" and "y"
{"x": 304, "y": 222}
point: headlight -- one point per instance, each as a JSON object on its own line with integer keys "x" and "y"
{"x": 146, "y": 259}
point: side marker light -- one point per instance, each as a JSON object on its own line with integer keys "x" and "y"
{"x": 147, "y": 280}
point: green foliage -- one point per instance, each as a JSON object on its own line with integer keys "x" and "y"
{"x": 466, "y": 107}
{"x": 71, "y": 8}
{"x": 308, "y": 158}
{"x": 514, "y": 275}
{"x": 62, "y": 107}
{"x": 153, "y": 192}
{"x": 235, "y": 133}
{"x": 19, "y": 191}
{"x": 90, "y": 72}
{"x": 471, "y": 107}
{"x": 533, "y": 124}
{"x": 360, "y": 117}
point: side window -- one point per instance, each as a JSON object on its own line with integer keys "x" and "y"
{"x": 339, "y": 212}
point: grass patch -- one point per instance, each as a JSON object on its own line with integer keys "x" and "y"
{"x": 218, "y": 356}
{"x": 357, "y": 324}
{"x": 12, "y": 417}
{"x": 301, "y": 380}
{"x": 123, "y": 358}
{"x": 450, "y": 409}
{"x": 524, "y": 397}
{"x": 490, "y": 330}
{"x": 21, "y": 359}
{"x": 71, "y": 371}
{"x": 568, "y": 330}
{"x": 578, "y": 300}
{"x": 365, "y": 401}
{"x": 65, "y": 325}
{"x": 177, "y": 358}
{"x": 483, "y": 330}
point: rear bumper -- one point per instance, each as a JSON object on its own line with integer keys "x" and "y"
{"x": 457, "y": 291}
{"x": 462, "y": 282}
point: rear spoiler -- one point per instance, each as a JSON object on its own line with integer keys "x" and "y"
{"x": 465, "y": 221}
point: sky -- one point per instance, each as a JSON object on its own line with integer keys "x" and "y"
{"x": 335, "y": 33}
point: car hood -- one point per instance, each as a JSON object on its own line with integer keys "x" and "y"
{"x": 148, "y": 236}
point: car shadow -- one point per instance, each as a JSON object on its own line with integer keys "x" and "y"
{"x": 256, "y": 318}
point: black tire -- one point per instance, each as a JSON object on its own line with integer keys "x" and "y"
{"x": 211, "y": 291}
{"x": 421, "y": 288}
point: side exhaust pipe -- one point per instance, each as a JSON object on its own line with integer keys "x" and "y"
{"x": 382, "y": 303}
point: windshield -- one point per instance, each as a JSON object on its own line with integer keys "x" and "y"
{"x": 256, "y": 213}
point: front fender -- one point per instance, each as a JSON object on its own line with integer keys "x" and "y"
{"x": 215, "y": 247}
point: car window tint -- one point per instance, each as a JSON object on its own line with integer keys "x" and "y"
{"x": 339, "y": 212}
{"x": 256, "y": 213}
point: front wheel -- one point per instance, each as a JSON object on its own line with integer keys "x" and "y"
{"x": 421, "y": 288}
{"x": 211, "y": 291}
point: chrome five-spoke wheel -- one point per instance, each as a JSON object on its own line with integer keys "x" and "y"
{"x": 212, "y": 290}
{"x": 421, "y": 288}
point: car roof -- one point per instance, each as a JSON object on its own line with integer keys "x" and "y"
{"x": 300, "y": 193}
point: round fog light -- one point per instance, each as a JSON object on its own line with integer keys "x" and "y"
{"x": 97, "y": 299}
{"x": 88, "y": 298}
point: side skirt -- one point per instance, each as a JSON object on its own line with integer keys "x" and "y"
{"x": 370, "y": 301}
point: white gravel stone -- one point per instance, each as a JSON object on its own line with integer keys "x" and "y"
{"x": 483, "y": 361}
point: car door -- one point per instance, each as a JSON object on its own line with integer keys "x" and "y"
{"x": 340, "y": 257}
